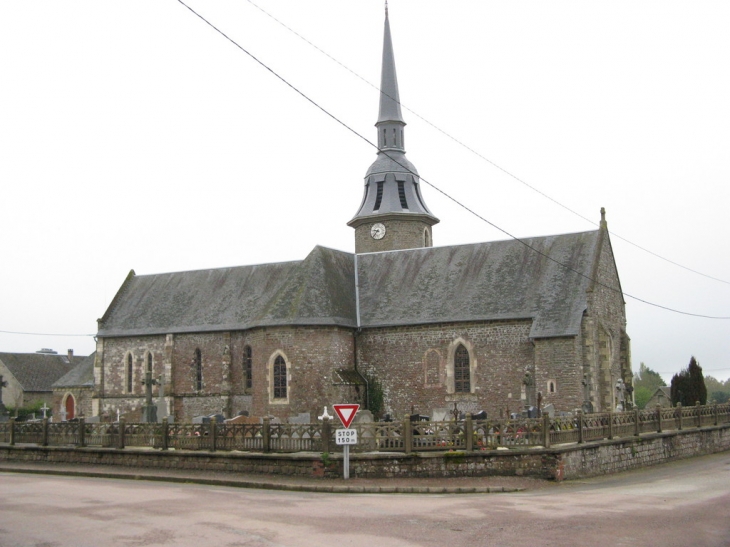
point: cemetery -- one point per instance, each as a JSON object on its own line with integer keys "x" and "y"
{"x": 551, "y": 447}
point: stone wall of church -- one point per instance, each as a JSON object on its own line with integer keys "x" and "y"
{"x": 606, "y": 346}
{"x": 112, "y": 389}
{"x": 312, "y": 354}
{"x": 412, "y": 365}
{"x": 559, "y": 372}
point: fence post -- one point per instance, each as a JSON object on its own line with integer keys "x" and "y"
{"x": 637, "y": 417}
{"x": 698, "y": 408}
{"x": 678, "y": 413}
{"x": 12, "y": 431}
{"x": 267, "y": 434}
{"x": 120, "y": 438}
{"x": 165, "y": 433}
{"x": 659, "y": 418}
{"x": 469, "y": 433}
{"x": 82, "y": 432}
{"x": 580, "y": 426}
{"x": 326, "y": 434}
{"x": 407, "y": 435}
{"x": 610, "y": 424}
{"x": 44, "y": 438}
{"x": 546, "y": 430}
{"x": 213, "y": 428}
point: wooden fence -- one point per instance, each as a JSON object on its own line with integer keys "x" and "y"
{"x": 404, "y": 436}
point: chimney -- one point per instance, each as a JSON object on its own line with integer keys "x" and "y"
{"x": 70, "y": 355}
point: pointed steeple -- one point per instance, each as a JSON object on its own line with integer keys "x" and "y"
{"x": 393, "y": 214}
{"x": 389, "y": 100}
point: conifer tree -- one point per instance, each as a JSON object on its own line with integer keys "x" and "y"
{"x": 688, "y": 386}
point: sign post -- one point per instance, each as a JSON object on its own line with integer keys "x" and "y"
{"x": 346, "y": 436}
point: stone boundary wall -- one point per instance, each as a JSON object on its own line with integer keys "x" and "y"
{"x": 558, "y": 463}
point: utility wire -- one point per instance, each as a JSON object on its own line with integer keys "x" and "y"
{"x": 353, "y": 131}
{"x": 476, "y": 153}
{"x": 44, "y": 334}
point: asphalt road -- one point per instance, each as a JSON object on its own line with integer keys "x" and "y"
{"x": 685, "y": 503}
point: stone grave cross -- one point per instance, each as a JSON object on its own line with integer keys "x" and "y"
{"x": 45, "y": 409}
{"x": 3, "y": 410}
{"x": 3, "y": 384}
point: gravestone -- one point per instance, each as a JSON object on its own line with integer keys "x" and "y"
{"x": 440, "y": 415}
{"x": 93, "y": 420}
{"x": 301, "y": 418}
{"x": 549, "y": 409}
{"x": 363, "y": 416}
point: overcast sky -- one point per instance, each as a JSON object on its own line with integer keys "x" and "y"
{"x": 134, "y": 136}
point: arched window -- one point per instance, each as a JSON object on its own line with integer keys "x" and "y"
{"x": 247, "y": 367}
{"x": 426, "y": 238}
{"x": 129, "y": 373}
{"x": 551, "y": 386}
{"x": 462, "y": 371}
{"x": 198, "y": 367}
{"x": 279, "y": 376}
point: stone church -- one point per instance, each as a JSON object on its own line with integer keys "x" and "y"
{"x": 400, "y": 325}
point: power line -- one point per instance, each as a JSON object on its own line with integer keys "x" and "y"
{"x": 481, "y": 156}
{"x": 343, "y": 124}
{"x": 44, "y": 334}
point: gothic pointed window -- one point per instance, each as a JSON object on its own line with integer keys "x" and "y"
{"x": 462, "y": 371}
{"x": 247, "y": 367}
{"x": 198, "y": 369}
{"x": 280, "y": 380}
{"x": 129, "y": 373}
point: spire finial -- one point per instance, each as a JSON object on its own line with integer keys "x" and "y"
{"x": 386, "y": 9}
{"x": 603, "y": 217}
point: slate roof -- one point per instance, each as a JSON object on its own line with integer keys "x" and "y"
{"x": 82, "y": 375}
{"x": 37, "y": 371}
{"x": 315, "y": 291}
{"x": 478, "y": 282}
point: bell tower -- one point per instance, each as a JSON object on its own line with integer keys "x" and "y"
{"x": 392, "y": 214}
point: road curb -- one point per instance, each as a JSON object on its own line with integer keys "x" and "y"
{"x": 294, "y": 487}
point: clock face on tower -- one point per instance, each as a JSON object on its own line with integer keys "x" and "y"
{"x": 377, "y": 231}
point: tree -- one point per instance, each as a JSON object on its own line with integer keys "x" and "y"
{"x": 646, "y": 382}
{"x": 646, "y": 377}
{"x": 688, "y": 386}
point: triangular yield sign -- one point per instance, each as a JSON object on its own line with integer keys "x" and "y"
{"x": 346, "y": 413}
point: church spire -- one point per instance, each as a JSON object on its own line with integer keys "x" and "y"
{"x": 389, "y": 100}
{"x": 393, "y": 214}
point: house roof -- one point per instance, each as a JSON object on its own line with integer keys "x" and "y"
{"x": 82, "y": 375}
{"x": 483, "y": 281}
{"x": 37, "y": 371}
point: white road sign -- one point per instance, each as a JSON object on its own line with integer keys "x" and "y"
{"x": 346, "y": 436}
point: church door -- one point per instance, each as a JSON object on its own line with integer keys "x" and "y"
{"x": 70, "y": 407}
